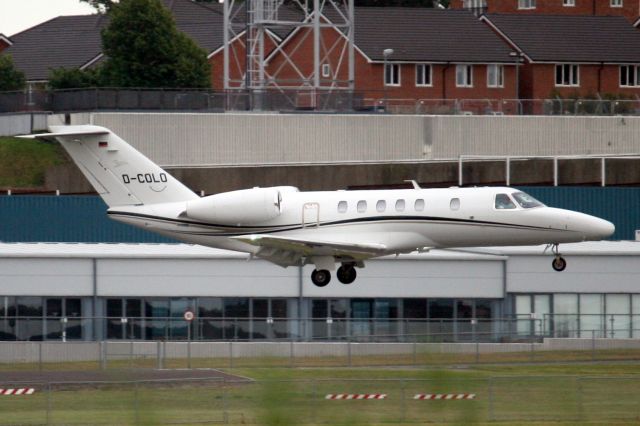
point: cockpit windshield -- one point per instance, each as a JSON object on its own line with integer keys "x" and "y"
{"x": 504, "y": 202}
{"x": 526, "y": 201}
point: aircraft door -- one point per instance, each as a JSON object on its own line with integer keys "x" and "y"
{"x": 310, "y": 215}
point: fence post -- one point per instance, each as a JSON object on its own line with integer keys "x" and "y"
{"x": 131, "y": 354}
{"x": 158, "y": 355}
{"x": 593, "y": 345}
{"x": 415, "y": 350}
{"x": 291, "y": 353}
{"x": 231, "y": 354}
{"x": 349, "y": 352}
{"x": 490, "y": 391}
{"x": 189, "y": 354}
{"x": 48, "y": 403}
{"x": 40, "y": 356}
{"x": 103, "y": 355}
{"x": 532, "y": 351}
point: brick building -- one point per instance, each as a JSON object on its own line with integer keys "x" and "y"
{"x": 5, "y": 42}
{"x": 430, "y": 54}
{"x": 564, "y": 56}
{"x": 630, "y": 9}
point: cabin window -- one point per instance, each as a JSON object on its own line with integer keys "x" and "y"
{"x": 400, "y": 205}
{"x": 342, "y": 207}
{"x": 419, "y": 205}
{"x": 454, "y": 204}
{"x": 362, "y": 206}
{"x": 381, "y": 205}
{"x": 526, "y": 201}
{"x": 504, "y": 202}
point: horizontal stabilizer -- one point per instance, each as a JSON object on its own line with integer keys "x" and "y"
{"x": 62, "y": 134}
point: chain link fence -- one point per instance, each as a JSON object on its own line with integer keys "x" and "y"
{"x": 338, "y": 101}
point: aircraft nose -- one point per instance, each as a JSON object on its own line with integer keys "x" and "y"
{"x": 595, "y": 228}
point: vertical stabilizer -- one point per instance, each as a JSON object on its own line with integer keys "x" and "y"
{"x": 118, "y": 172}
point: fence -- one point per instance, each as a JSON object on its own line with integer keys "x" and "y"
{"x": 329, "y": 401}
{"x": 416, "y": 350}
{"x": 510, "y": 329}
{"x": 133, "y": 99}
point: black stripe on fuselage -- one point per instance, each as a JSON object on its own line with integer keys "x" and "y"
{"x": 232, "y": 230}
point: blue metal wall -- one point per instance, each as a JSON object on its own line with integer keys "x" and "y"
{"x": 83, "y": 218}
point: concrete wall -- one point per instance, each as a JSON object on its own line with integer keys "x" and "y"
{"x": 22, "y": 124}
{"x": 193, "y": 140}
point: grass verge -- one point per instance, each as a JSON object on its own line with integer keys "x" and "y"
{"x": 23, "y": 162}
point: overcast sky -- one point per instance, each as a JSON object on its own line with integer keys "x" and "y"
{"x": 18, "y": 15}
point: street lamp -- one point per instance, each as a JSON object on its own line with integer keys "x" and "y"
{"x": 385, "y": 53}
{"x": 518, "y": 59}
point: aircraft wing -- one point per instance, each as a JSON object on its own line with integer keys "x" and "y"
{"x": 286, "y": 251}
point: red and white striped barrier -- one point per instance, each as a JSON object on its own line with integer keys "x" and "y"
{"x": 449, "y": 396}
{"x": 356, "y": 396}
{"x": 18, "y": 391}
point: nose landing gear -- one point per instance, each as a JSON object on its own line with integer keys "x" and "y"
{"x": 559, "y": 263}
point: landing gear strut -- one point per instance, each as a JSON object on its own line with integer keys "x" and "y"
{"x": 347, "y": 273}
{"x": 320, "y": 277}
{"x": 559, "y": 263}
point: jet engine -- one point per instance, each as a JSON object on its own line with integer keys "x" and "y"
{"x": 243, "y": 207}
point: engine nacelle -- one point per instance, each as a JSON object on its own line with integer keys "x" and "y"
{"x": 244, "y": 207}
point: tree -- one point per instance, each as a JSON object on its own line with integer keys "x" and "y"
{"x": 10, "y": 77}
{"x": 64, "y": 78}
{"x": 144, "y": 49}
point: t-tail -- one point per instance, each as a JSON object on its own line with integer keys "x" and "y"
{"x": 118, "y": 172}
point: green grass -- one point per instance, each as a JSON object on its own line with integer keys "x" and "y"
{"x": 23, "y": 162}
{"x": 596, "y": 393}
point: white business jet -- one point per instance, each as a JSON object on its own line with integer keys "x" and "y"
{"x": 288, "y": 227}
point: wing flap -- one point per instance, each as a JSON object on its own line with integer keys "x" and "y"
{"x": 313, "y": 247}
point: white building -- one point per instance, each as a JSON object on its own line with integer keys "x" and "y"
{"x": 141, "y": 291}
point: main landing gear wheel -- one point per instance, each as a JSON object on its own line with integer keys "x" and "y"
{"x": 346, "y": 274}
{"x": 559, "y": 264}
{"x": 320, "y": 277}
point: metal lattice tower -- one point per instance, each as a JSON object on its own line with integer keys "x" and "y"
{"x": 254, "y": 29}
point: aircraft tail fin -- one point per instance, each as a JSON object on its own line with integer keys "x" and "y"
{"x": 118, "y": 172}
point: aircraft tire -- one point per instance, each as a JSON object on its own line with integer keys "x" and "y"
{"x": 321, "y": 277}
{"x": 559, "y": 264}
{"x": 346, "y": 274}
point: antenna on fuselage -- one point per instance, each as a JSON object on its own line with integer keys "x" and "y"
{"x": 414, "y": 183}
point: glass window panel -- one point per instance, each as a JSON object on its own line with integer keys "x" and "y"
{"x": 362, "y": 206}
{"x": 29, "y": 306}
{"x": 635, "y": 324}
{"x": 114, "y": 308}
{"x": 342, "y": 207}
{"x": 523, "y": 304}
{"x": 400, "y": 205}
{"x": 319, "y": 308}
{"x": 157, "y": 308}
{"x": 279, "y": 308}
{"x": 618, "y": 303}
{"x": 54, "y": 307}
{"x": 504, "y": 202}
{"x": 542, "y": 309}
{"x": 565, "y": 310}
{"x": 386, "y": 308}
{"x": 440, "y": 308}
{"x": 464, "y": 308}
{"x": 419, "y": 205}
{"x": 339, "y": 308}
{"x": 591, "y": 315}
{"x": 73, "y": 307}
{"x": 179, "y": 306}
{"x": 210, "y": 307}
{"x": 484, "y": 308}
{"x": 414, "y": 308}
{"x": 635, "y": 303}
{"x": 381, "y": 206}
{"x": 236, "y": 307}
{"x": 134, "y": 308}
{"x": 260, "y": 308}
{"x": 618, "y": 308}
{"x": 454, "y": 204}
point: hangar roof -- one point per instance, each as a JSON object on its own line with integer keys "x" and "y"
{"x": 178, "y": 251}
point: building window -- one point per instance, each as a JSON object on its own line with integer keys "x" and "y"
{"x": 464, "y": 76}
{"x": 495, "y": 75}
{"x": 326, "y": 70}
{"x": 423, "y": 75}
{"x": 526, "y": 4}
{"x": 615, "y": 3}
{"x": 568, "y": 3}
{"x": 567, "y": 75}
{"x": 392, "y": 75}
{"x": 629, "y": 76}
{"x": 474, "y": 4}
